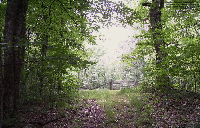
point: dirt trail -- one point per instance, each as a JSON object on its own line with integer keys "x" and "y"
{"x": 89, "y": 114}
{"x": 117, "y": 111}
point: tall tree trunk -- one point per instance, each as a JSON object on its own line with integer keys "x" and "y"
{"x": 1, "y": 87}
{"x": 14, "y": 36}
{"x": 45, "y": 38}
{"x": 155, "y": 20}
{"x": 43, "y": 57}
{"x": 162, "y": 80}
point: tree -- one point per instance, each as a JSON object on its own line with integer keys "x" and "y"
{"x": 57, "y": 32}
{"x": 14, "y": 36}
{"x": 169, "y": 45}
{"x": 2, "y": 22}
{"x": 162, "y": 80}
{"x": 1, "y": 86}
{"x": 184, "y": 42}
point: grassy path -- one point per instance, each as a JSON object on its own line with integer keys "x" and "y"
{"x": 95, "y": 109}
{"x": 118, "y": 108}
{"x": 127, "y": 108}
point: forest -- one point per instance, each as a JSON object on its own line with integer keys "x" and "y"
{"x": 54, "y": 71}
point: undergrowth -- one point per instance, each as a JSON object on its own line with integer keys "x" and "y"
{"x": 139, "y": 101}
{"x": 124, "y": 108}
{"x": 103, "y": 97}
{"x": 133, "y": 107}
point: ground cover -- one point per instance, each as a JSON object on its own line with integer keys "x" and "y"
{"x": 125, "y": 108}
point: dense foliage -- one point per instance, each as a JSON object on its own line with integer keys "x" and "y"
{"x": 48, "y": 50}
{"x": 55, "y": 51}
{"x": 47, "y": 54}
{"x": 180, "y": 47}
{"x": 44, "y": 59}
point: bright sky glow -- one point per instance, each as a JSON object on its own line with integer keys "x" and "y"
{"x": 115, "y": 39}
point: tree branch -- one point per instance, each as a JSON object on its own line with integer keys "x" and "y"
{"x": 146, "y": 4}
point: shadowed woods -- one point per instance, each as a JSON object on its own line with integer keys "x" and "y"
{"x": 125, "y": 108}
{"x": 50, "y": 50}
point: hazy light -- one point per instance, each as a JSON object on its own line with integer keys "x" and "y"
{"x": 115, "y": 38}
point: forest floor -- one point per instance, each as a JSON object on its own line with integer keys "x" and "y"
{"x": 119, "y": 109}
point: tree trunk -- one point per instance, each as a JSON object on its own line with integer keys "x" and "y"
{"x": 162, "y": 79}
{"x": 156, "y": 26}
{"x": 111, "y": 84}
{"x": 41, "y": 73}
{"x": 14, "y": 36}
{"x": 1, "y": 86}
{"x": 43, "y": 56}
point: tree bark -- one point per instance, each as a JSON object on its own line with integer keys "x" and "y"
{"x": 111, "y": 84}
{"x": 156, "y": 26}
{"x": 44, "y": 49}
{"x": 162, "y": 80}
{"x": 1, "y": 87}
{"x": 14, "y": 36}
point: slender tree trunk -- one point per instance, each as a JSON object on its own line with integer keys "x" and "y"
{"x": 1, "y": 87}
{"x": 14, "y": 36}
{"x": 111, "y": 84}
{"x": 43, "y": 55}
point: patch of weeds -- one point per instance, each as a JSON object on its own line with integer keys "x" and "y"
{"x": 105, "y": 98}
{"x": 124, "y": 108}
{"x": 131, "y": 90}
{"x": 126, "y": 90}
{"x": 95, "y": 94}
{"x": 110, "y": 117}
{"x": 136, "y": 102}
{"x": 139, "y": 101}
{"x": 144, "y": 117}
{"x": 108, "y": 105}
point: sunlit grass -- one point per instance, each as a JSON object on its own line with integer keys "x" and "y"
{"x": 98, "y": 94}
{"x": 134, "y": 96}
{"x": 114, "y": 101}
{"x": 139, "y": 101}
{"x": 106, "y": 98}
